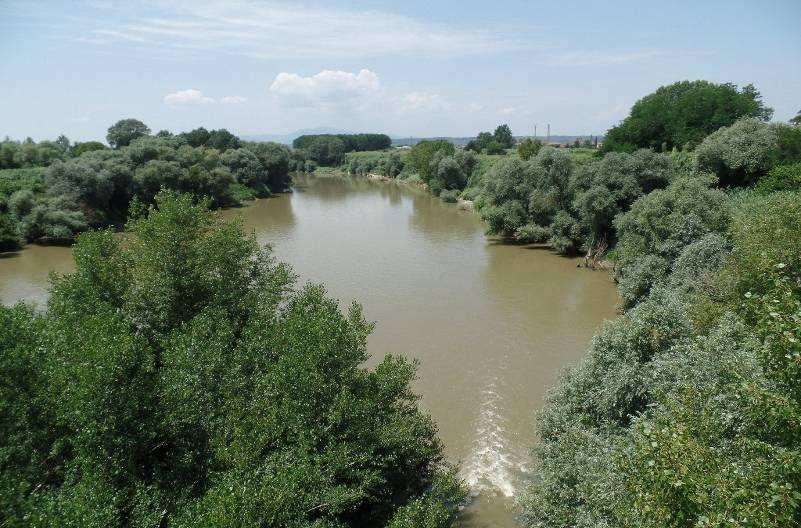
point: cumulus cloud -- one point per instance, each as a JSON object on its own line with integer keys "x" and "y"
{"x": 232, "y": 99}
{"x": 329, "y": 87}
{"x": 507, "y": 110}
{"x": 189, "y": 97}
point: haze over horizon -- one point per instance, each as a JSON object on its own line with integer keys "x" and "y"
{"x": 407, "y": 69}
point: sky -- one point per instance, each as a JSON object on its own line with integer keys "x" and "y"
{"x": 402, "y": 67}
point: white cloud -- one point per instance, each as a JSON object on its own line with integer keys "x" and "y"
{"x": 475, "y": 107}
{"x": 286, "y": 30}
{"x": 423, "y": 101}
{"x": 507, "y": 110}
{"x": 232, "y": 99}
{"x": 329, "y": 87}
{"x": 190, "y": 96}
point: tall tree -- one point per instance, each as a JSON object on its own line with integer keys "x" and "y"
{"x": 683, "y": 114}
{"x": 121, "y": 133}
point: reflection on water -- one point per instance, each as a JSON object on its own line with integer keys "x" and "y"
{"x": 491, "y": 324}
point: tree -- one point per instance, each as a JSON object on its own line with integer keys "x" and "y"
{"x": 327, "y": 150}
{"x": 503, "y": 135}
{"x": 683, "y": 114}
{"x": 796, "y": 121}
{"x": 121, "y": 133}
{"x": 181, "y": 379}
{"x": 494, "y": 147}
{"x": 79, "y": 149}
{"x": 528, "y": 148}
{"x": 421, "y": 155}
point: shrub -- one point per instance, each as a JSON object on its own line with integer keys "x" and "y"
{"x": 637, "y": 278}
{"x": 449, "y": 196}
{"x": 781, "y": 178}
{"x": 665, "y": 221}
{"x": 739, "y": 154}
{"x": 565, "y": 233}
{"x": 528, "y": 148}
{"x": 532, "y": 233}
{"x": 9, "y": 236}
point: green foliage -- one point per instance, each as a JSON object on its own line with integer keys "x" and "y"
{"x": 88, "y": 146}
{"x": 221, "y": 139}
{"x": 124, "y": 131}
{"x": 669, "y": 424}
{"x": 449, "y": 196}
{"x": 682, "y": 114}
{"x": 326, "y": 150}
{"x": 781, "y": 178}
{"x": 665, "y": 221}
{"x": 9, "y": 237}
{"x": 739, "y": 154}
{"x": 350, "y": 142}
{"x": 495, "y": 143}
{"x": 275, "y": 159}
{"x": 178, "y": 378}
{"x": 28, "y": 153}
{"x": 528, "y": 148}
{"x": 589, "y": 195}
{"x": 532, "y": 233}
{"x": 421, "y": 155}
{"x": 503, "y": 135}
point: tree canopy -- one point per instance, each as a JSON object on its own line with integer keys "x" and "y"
{"x": 351, "y": 142}
{"x": 179, "y": 378}
{"x": 680, "y": 115}
{"x": 124, "y": 131}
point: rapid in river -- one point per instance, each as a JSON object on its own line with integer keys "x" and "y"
{"x": 491, "y": 324}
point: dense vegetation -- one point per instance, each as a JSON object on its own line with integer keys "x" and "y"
{"x": 686, "y": 409}
{"x": 682, "y": 114}
{"x": 50, "y": 191}
{"x": 330, "y": 149}
{"x": 492, "y": 143}
{"x": 179, "y": 378}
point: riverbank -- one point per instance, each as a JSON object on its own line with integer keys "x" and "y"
{"x": 588, "y": 262}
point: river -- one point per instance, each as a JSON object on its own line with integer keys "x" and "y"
{"x": 491, "y": 324}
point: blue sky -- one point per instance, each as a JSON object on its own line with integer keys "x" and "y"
{"x": 400, "y": 67}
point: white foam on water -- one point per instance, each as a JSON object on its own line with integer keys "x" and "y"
{"x": 490, "y": 465}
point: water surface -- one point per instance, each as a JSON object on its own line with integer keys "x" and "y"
{"x": 491, "y": 324}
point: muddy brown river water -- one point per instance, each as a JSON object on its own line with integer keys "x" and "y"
{"x": 492, "y": 325}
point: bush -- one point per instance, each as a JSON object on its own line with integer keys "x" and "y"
{"x": 664, "y": 222}
{"x": 9, "y": 236}
{"x": 494, "y": 147}
{"x": 739, "y": 154}
{"x": 449, "y": 196}
{"x": 565, "y": 234}
{"x": 54, "y": 220}
{"x": 528, "y": 148}
{"x": 532, "y": 233}
{"x": 637, "y": 278}
{"x": 781, "y": 178}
